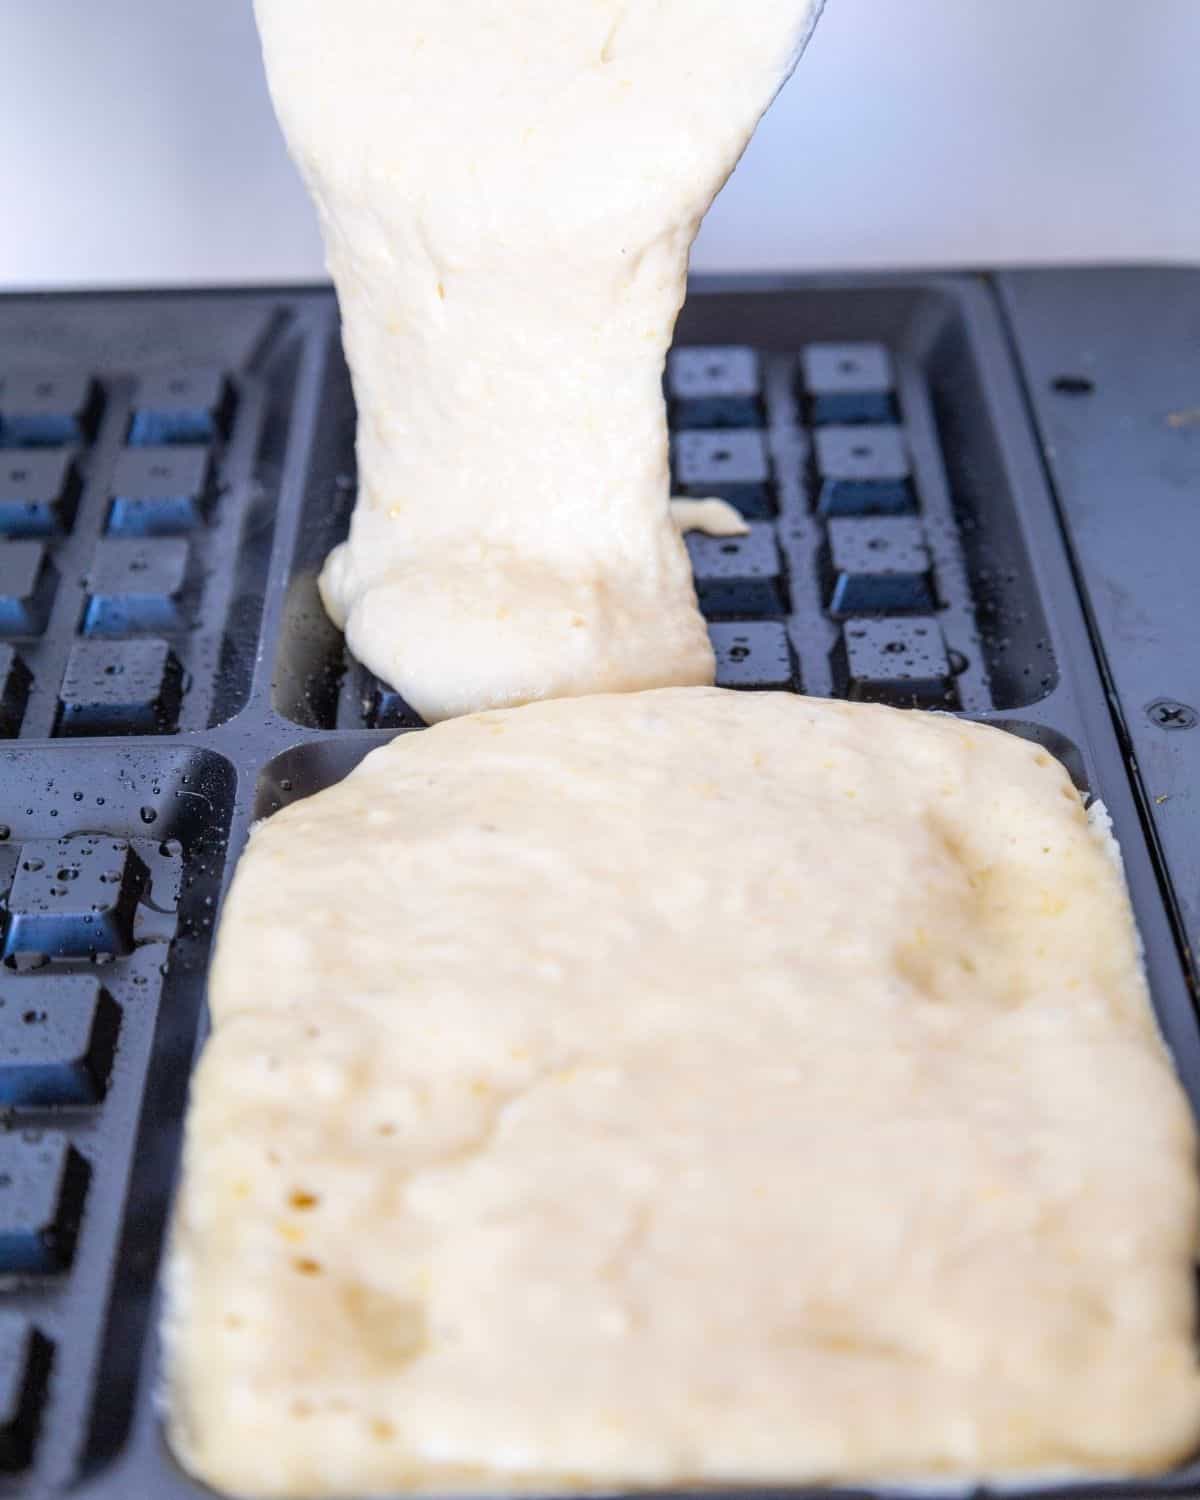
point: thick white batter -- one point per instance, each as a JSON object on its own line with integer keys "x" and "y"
{"x": 508, "y": 193}
{"x": 682, "y": 1086}
{"x": 714, "y": 517}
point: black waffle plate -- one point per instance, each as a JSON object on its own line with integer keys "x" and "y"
{"x": 173, "y": 470}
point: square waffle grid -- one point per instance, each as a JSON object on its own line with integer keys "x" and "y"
{"x": 871, "y": 432}
{"x": 108, "y": 907}
{"x": 127, "y": 497}
{"x": 852, "y": 567}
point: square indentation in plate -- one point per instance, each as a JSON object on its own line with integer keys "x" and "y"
{"x": 39, "y": 491}
{"x": 847, "y": 383}
{"x": 120, "y": 687}
{"x": 57, "y": 1037}
{"x": 862, "y": 471}
{"x": 731, "y": 466}
{"x": 192, "y": 405}
{"x": 159, "y": 491}
{"x": 15, "y": 680}
{"x": 386, "y": 709}
{"x": 753, "y": 654}
{"x": 903, "y": 662}
{"x": 136, "y": 585}
{"x": 74, "y": 897}
{"x": 43, "y": 410}
{"x": 739, "y": 575}
{"x": 43, "y": 1181}
{"x": 877, "y": 567}
{"x": 715, "y": 387}
{"x": 25, "y": 1357}
{"x": 26, "y": 587}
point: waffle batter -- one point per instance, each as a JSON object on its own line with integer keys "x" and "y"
{"x": 508, "y": 192}
{"x": 682, "y": 1087}
{"x": 713, "y": 517}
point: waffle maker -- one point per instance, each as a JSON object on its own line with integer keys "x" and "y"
{"x": 973, "y": 493}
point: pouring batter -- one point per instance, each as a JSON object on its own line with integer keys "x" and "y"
{"x": 508, "y": 195}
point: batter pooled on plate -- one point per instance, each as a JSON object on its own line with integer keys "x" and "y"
{"x": 682, "y": 1087}
{"x": 508, "y": 192}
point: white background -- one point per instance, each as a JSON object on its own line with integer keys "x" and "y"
{"x": 138, "y": 145}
